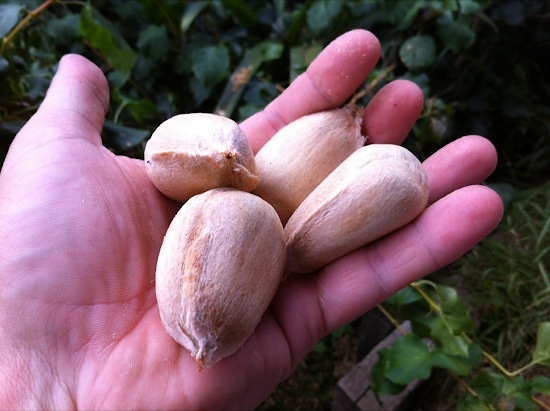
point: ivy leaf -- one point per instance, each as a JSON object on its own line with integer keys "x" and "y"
{"x": 192, "y": 10}
{"x": 458, "y": 364}
{"x": 518, "y": 392}
{"x": 65, "y": 30}
{"x": 301, "y": 56}
{"x": 4, "y": 67}
{"x": 379, "y": 382}
{"x": 454, "y": 311}
{"x": 199, "y": 91}
{"x": 122, "y": 137}
{"x": 451, "y": 343}
{"x": 418, "y": 53}
{"x": 468, "y": 7}
{"x": 9, "y": 16}
{"x": 322, "y": 13}
{"x": 121, "y": 57}
{"x": 542, "y": 348}
{"x": 540, "y": 384}
{"x": 142, "y": 109}
{"x": 241, "y": 11}
{"x": 406, "y": 295}
{"x": 210, "y": 64}
{"x": 486, "y": 386}
{"x": 257, "y": 95}
{"x": 408, "y": 359}
{"x": 456, "y": 34}
{"x": 272, "y": 50}
{"x": 154, "y": 42}
{"x": 242, "y": 76}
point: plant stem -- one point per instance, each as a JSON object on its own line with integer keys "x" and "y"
{"x": 542, "y": 405}
{"x": 464, "y": 384}
{"x": 392, "y": 319}
{"x": 32, "y": 14}
{"x": 510, "y": 374}
{"x": 418, "y": 288}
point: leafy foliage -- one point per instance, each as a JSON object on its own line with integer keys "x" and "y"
{"x": 482, "y": 65}
{"x": 232, "y": 57}
{"x": 441, "y": 339}
{"x": 506, "y": 289}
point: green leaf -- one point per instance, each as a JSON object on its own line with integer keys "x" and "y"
{"x": 506, "y": 191}
{"x": 301, "y": 57}
{"x": 418, "y": 53}
{"x": 422, "y": 80}
{"x": 9, "y": 17}
{"x": 153, "y": 41}
{"x": 4, "y": 67}
{"x": 242, "y": 75}
{"x": 121, "y": 57}
{"x": 322, "y": 13}
{"x": 257, "y": 95}
{"x": 241, "y": 11}
{"x": 540, "y": 384}
{"x": 192, "y": 10}
{"x": 272, "y": 50}
{"x": 486, "y": 386}
{"x": 121, "y": 137}
{"x": 451, "y": 343}
{"x": 142, "y": 109}
{"x": 409, "y": 359}
{"x": 455, "y": 314}
{"x": 542, "y": 348}
{"x": 468, "y": 7}
{"x": 320, "y": 347}
{"x": 516, "y": 392}
{"x": 210, "y": 65}
{"x": 406, "y": 295}
{"x": 402, "y": 13}
{"x": 199, "y": 91}
{"x": 458, "y": 364}
{"x": 456, "y": 34}
{"x": 381, "y": 384}
{"x": 65, "y": 30}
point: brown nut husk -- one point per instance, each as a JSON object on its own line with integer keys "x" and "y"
{"x": 376, "y": 190}
{"x": 191, "y": 153}
{"x": 218, "y": 269}
{"x": 300, "y": 155}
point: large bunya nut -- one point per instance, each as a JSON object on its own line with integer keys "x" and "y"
{"x": 219, "y": 267}
{"x": 376, "y": 190}
{"x": 300, "y": 155}
{"x": 191, "y": 153}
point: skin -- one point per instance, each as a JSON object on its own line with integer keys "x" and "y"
{"x": 80, "y": 231}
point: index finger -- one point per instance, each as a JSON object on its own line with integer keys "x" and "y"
{"x": 328, "y": 82}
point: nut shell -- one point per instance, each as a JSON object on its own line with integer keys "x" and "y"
{"x": 376, "y": 190}
{"x": 191, "y": 153}
{"x": 300, "y": 155}
{"x": 219, "y": 267}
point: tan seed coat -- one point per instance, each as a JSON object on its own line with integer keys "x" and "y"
{"x": 376, "y": 190}
{"x": 191, "y": 153}
{"x": 219, "y": 267}
{"x": 299, "y": 156}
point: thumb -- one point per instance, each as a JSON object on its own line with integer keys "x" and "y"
{"x": 75, "y": 104}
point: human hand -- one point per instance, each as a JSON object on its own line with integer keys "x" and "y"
{"x": 80, "y": 231}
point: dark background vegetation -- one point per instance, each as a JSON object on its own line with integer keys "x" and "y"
{"x": 483, "y": 66}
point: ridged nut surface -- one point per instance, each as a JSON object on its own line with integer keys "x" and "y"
{"x": 219, "y": 267}
{"x": 300, "y": 155}
{"x": 192, "y": 153}
{"x": 376, "y": 190}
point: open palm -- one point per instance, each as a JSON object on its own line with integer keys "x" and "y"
{"x": 80, "y": 231}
